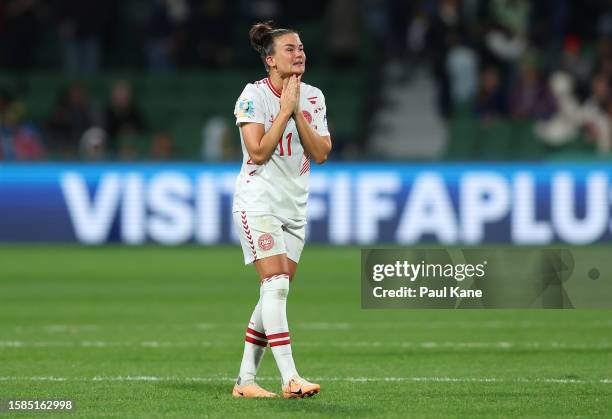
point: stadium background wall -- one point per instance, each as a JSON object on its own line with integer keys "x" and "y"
{"x": 350, "y": 203}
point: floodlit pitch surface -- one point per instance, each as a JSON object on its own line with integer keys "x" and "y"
{"x": 149, "y": 331}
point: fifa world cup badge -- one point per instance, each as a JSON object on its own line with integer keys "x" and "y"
{"x": 245, "y": 108}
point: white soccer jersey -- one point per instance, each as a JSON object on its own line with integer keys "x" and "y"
{"x": 279, "y": 186}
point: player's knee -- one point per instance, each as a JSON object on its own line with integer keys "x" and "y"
{"x": 275, "y": 277}
{"x": 276, "y": 285}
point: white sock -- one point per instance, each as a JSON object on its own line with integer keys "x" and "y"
{"x": 273, "y": 293}
{"x": 254, "y": 347}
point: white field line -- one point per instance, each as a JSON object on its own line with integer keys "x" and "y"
{"x": 332, "y": 326}
{"x": 501, "y": 345}
{"x": 105, "y": 344}
{"x": 69, "y": 328}
{"x": 145, "y": 378}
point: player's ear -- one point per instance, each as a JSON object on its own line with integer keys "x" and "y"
{"x": 270, "y": 61}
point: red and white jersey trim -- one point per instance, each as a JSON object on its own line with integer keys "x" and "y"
{"x": 271, "y": 86}
{"x": 305, "y": 166}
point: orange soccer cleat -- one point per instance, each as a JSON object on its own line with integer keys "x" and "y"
{"x": 298, "y": 388}
{"x": 251, "y": 391}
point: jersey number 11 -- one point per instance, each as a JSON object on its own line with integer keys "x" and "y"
{"x": 282, "y": 149}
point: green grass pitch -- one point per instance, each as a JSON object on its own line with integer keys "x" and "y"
{"x": 150, "y": 332}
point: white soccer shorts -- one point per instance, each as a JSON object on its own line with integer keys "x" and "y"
{"x": 263, "y": 234}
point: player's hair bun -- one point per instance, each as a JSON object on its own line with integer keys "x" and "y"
{"x": 260, "y": 34}
{"x": 262, "y": 37}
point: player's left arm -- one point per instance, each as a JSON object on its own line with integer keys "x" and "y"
{"x": 317, "y": 146}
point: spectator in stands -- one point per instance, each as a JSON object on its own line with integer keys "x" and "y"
{"x": 71, "y": 116}
{"x": 210, "y": 32}
{"x": 19, "y": 140}
{"x": 216, "y": 139}
{"x": 93, "y": 144}
{"x": 462, "y": 71}
{"x": 446, "y": 24}
{"x": 162, "y": 147}
{"x": 577, "y": 64}
{"x": 491, "y": 99}
{"x": 81, "y": 27}
{"x": 530, "y": 96}
{"x": 123, "y": 118}
{"x": 595, "y": 114}
{"x": 512, "y": 15}
{"x": 563, "y": 125}
{"x": 505, "y": 38}
{"x": 416, "y": 35}
{"x": 166, "y": 33}
{"x": 604, "y": 54}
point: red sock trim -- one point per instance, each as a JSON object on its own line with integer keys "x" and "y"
{"x": 255, "y": 341}
{"x": 273, "y": 277}
{"x": 280, "y": 342}
{"x": 256, "y": 333}
{"x": 278, "y": 335}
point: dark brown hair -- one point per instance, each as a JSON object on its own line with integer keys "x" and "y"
{"x": 262, "y": 36}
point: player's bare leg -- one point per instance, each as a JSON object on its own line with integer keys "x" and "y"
{"x": 275, "y": 265}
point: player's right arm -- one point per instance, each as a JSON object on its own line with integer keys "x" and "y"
{"x": 260, "y": 144}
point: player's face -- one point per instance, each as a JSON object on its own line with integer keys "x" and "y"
{"x": 289, "y": 57}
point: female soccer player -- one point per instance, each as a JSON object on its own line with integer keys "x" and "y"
{"x": 282, "y": 127}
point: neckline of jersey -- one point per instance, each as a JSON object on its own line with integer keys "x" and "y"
{"x": 271, "y": 86}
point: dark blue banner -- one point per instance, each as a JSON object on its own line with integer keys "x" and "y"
{"x": 349, "y": 203}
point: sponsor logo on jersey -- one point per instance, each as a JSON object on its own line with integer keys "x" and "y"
{"x": 246, "y": 109}
{"x": 265, "y": 241}
{"x": 308, "y": 116}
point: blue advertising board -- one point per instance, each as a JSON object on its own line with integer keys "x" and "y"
{"x": 352, "y": 203}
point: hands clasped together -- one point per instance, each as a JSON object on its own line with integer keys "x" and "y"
{"x": 290, "y": 96}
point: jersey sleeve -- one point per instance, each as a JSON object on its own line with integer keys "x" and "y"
{"x": 319, "y": 121}
{"x": 249, "y": 106}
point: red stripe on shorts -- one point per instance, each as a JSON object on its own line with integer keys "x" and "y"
{"x": 247, "y": 233}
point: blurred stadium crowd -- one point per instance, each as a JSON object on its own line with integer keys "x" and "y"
{"x": 156, "y": 79}
{"x": 545, "y": 66}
